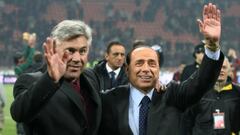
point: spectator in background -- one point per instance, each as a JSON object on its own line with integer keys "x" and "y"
{"x": 198, "y": 56}
{"x": 235, "y": 64}
{"x": 159, "y": 50}
{"x": 138, "y": 43}
{"x": 2, "y": 104}
{"x": 23, "y": 61}
{"x": 177, "y": 74}
{"x": 162, "y": 80}
{"x": 232, "y": 55}
{"x": 37, "y": 63}
{"x": 219, "y": 105}
{"x": 111, "y": 70}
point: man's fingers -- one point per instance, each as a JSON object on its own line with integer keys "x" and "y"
{"x": 54, "y": 46}
{"x": 49, "y": 44}
{"x": 45, "y": 47}
{"x": 200, "y": 24}
{"x": 218, "y": 18}
{"x": 214, "y": 12}
{"x": 47, "y": 58}
{"x": 211, "y": 11}
{"x": 51, "y": 47}
{"x": 46, "y": 52}
{"x": 205, "y": 11}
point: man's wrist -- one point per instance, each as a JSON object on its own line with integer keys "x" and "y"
{"x": 212, "y": 46}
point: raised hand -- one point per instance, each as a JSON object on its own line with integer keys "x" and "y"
{"x": 32, "y": 40}
{"x": 210, "y": 27}
{"x": 56, "y": 60}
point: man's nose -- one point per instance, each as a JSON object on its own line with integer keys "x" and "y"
{"x": 76, "y": 56}
{"x": 145, "y": 67}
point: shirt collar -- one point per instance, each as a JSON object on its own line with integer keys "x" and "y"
{"x": 109, "y": 69}
{"x": 137, "y": 95}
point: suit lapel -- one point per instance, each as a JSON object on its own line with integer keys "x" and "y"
{"x": 67, "y": 89}
{"x": 93, "y": 93}
{"x": 91, "y": 88}
{"x": 94, "y": 96}
{"x": 154, "y": 113}
{"x": 123, "y": 107}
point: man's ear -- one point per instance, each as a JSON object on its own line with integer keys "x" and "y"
{"x": 106, "y": 56}
{"x": 126, "y": 69}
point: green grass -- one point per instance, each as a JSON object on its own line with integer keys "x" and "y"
{"x": 9, "y": 125}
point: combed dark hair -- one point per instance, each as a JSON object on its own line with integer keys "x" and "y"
{"x": 138, "y": 43}
{"x": 17, "y": 56}
{"x": 112, "y": 43}
{"x": 199, "y": 48}
{"x": 38, "y": 57}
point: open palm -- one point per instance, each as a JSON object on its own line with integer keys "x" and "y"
{"x": 210, "y": 27}
{"x": 56, "y": 61}
{"x": 212, "y": 30}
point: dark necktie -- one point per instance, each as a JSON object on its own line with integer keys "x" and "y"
{"x": 112, "y": 77}
{"x": 143, "y": 113}
{"x": 87, "y": 102}
{"x": 76, "y": 86}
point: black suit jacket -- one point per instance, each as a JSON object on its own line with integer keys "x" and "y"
{"x": 46, "y": 108}
{"x": 103, "y": 75}
{"x": 166, "y": 107}
{"x": 188, "y": 71}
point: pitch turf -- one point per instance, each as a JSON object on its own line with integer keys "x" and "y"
{"x": 9, "y": 125}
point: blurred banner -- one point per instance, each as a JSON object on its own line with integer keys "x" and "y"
{"x": 8, "y": 79}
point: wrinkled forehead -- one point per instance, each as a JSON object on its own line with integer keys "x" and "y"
{"x": 117, "y": 48}
{"x": 226, "y": 63}
{"x": 144, "y": 53}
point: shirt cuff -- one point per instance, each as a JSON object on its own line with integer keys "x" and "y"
{"x": 212, "y": 55}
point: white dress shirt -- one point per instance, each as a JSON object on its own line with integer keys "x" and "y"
{"x": 212, "y": 55}
{"x": 135, "y": 98}
{"x": 109, "y": 69}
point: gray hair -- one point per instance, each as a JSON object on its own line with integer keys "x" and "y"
{"x": 69, "y": 29}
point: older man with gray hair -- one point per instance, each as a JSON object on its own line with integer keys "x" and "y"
{"x": 64, "y": 99}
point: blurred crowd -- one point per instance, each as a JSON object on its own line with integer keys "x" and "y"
{"x": 157, "y": 22}
{"x": 130, "y": 42}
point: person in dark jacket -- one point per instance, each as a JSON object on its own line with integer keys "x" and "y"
{"x": 64, "y": 100}
{"x": 114, "y": 62}
{"x": 198, "y": 56}
{"x": 137, "y": 109}
{"x": 217, "y": 113}
{"x": 177, "y": 74}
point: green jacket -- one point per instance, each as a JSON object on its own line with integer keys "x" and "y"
{"x": 28, "y": 56}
